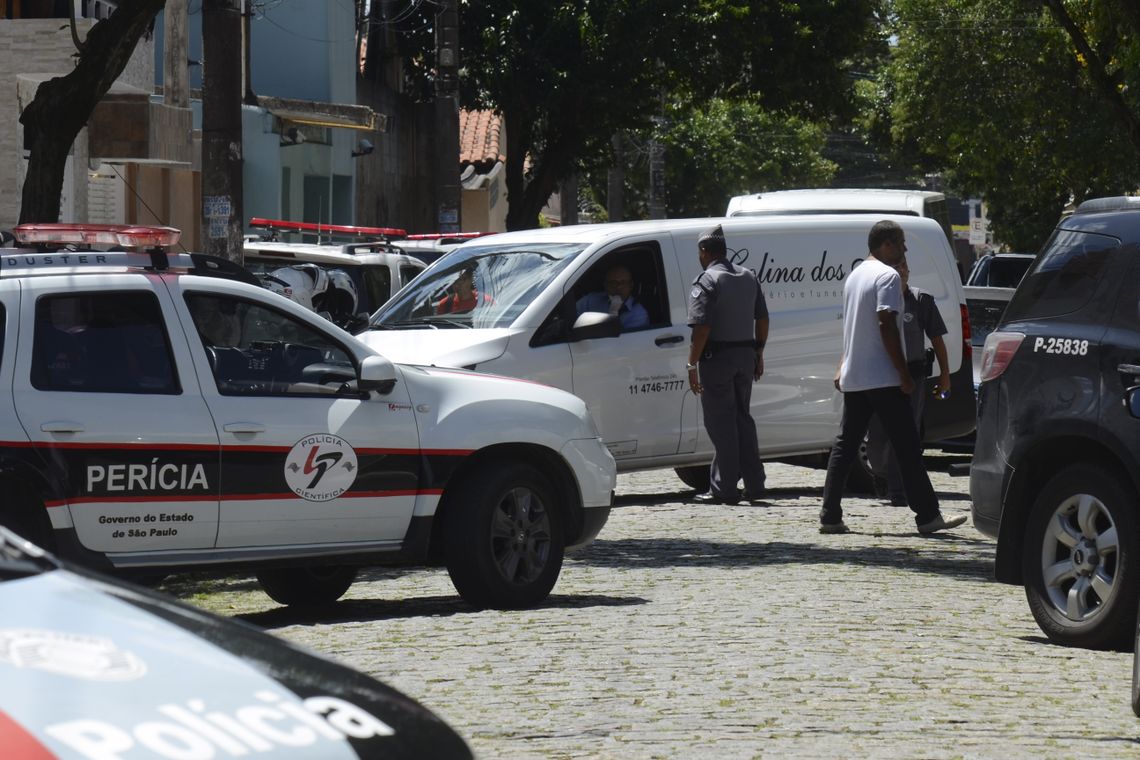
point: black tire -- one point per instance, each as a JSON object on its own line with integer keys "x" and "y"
{"x": 24, "y": 514}
{"x": 1136, "y": 671}
{"x": 695, "y": 477}
{"x": 1081, "y": 559}
{"x": 504, "y": 537}
{"x": 309, "y": 586}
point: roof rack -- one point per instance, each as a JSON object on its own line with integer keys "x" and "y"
{"x": 281, "y": 225}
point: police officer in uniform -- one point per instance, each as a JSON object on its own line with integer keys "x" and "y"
{"x": 729, "y": 318}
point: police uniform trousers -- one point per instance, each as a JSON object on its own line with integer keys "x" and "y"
{"x": 726, "y": 378}
{"x": 884, "y": 463}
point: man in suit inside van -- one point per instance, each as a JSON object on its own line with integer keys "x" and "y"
{"x": 874, "y": 379}
{"x": 616, "y": 300}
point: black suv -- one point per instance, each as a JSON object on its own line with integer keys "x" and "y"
{"x": 1056, "y": 470}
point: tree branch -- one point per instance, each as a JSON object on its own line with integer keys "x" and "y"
{"x": 1097, "y": 71}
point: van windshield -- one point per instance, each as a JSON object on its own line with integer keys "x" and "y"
{"x": 484, "y": 286}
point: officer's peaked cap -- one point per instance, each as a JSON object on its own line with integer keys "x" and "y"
{"x": 712, "y": 239}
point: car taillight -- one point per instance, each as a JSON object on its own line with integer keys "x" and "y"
{"x": 967, "y": 347}
{"x": 998, "y": 353}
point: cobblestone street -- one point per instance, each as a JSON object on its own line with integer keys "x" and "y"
{"x": 733, "y": 632}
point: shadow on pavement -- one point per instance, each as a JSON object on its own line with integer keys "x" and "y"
{"x": 367, "y": 610}
{"x": 772, "y": 497}
{"x": 942, "y": 556}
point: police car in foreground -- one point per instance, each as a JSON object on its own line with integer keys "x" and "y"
{"x": 157, "y": 420}
{"x": 1056, "y": 469}
{"x": 96, "y": 669}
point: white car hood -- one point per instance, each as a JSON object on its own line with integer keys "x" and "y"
{"x": 447, "y": 347}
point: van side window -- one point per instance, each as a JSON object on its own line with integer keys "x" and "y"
{"x": 635, "y": 270}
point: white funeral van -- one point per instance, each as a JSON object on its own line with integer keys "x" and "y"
{"x": 522, "y": 321}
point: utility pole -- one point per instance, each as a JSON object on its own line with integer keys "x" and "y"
{"x": 250, "y": 97}
{"x": 448, "y": 191}
{"x": 616, "y": 185}
{"x": 656, "y": 179}
{"x": 222, "y": 210}
{"x": 175, "y": 82}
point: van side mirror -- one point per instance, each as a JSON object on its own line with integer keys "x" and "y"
{"x": 376, "y": 374}
{"x": 595, "y": 324}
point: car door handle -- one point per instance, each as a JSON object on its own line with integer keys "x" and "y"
{"x": 665, "y": 340}
{"x": 62, "y": 426}
{"x": 243, "y": 427}
{"x": 1129, "y": 369}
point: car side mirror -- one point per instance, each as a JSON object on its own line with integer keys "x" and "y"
{"x": 595, "y": 324}
{"x": 376, "y": 374}
{"x": 1132, "y": 401}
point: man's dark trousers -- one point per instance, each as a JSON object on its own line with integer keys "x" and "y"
{"x": 893, "y": 408}
{"x": 726, "y": 400}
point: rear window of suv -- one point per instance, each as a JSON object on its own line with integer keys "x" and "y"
{"x": 1064, "y": 277}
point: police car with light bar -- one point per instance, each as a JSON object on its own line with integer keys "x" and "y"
{"x": 344, "y": 281}
{"x": 161, "y": 420}
{"x": 430, "y": 246}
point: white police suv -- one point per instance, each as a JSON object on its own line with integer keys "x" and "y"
{"x": 159, "y": 419}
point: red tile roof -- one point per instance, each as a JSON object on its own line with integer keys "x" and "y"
{"x": 480, "y": 135}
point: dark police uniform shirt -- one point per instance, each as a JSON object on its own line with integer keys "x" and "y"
{"x": 728, "y": 298}
{"x": 920, "y": 317}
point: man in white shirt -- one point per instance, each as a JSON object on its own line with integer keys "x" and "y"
{"x": 874, "y": 379}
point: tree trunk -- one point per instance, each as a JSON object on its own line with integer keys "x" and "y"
{"x": 63, "y": 105}
{"x": 525, "y": 200}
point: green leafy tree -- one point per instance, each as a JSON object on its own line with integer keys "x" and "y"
{"x": 732, "y": 147}
{"x": 568, "y": 74}
{"x": 63, "y": 105}
{"x": 990, "y": 92}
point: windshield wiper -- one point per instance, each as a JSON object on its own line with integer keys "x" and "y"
{"x": 441, "y": 320}
{"x": 424, "y": 323}
{"x": 402, "y": 323}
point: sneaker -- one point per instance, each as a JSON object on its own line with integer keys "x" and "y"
{"x": 752, "y": 498}
{"x": 941, "y": 523}
{"x": 712, "y": 498}
{"x": 839, "y": 527}
{"x": 898, "y": 501}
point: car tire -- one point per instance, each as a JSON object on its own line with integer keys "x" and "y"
{"x": 1136, "y": 671}
{"x": 1081, "y": 559}
{"x": 695, "y": 477}
{"x": 24, "y": 514}
{"x": 309, "y": 586}
{"x": 504, "y": 537}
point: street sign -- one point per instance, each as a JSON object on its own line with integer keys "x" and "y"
{"x": 978, "y": 231}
